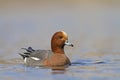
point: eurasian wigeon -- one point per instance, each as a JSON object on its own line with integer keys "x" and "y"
{"x": 51, "y": 58}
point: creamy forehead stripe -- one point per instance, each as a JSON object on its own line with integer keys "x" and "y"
{"x": 64, "y": 33}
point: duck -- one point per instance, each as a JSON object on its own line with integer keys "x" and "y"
{"x": 49, "y": 58}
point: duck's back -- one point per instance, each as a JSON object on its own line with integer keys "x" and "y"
{"x": 35, "y": 57}
{"x": 41, "y": 54}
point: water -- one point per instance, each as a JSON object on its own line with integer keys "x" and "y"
{"x": 92, "y": 26}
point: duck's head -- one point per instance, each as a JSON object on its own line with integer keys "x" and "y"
{"x": 58, "y": 41}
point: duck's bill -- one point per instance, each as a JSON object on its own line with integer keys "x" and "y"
{"x": 68, "y": 43}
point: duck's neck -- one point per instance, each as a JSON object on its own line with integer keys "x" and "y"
{"x": 57, "y": 50}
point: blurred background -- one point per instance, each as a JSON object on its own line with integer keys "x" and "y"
{"x": 93, "y": 26}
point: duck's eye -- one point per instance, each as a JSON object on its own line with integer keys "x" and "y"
{"x": 60, "y": 37}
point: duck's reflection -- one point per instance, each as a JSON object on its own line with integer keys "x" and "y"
{"x": 58, "y": 69}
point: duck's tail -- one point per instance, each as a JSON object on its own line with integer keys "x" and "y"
{"x": 23, "y": 55}
{"x": 26, "y": 54}
{"x": 29, "y": 49}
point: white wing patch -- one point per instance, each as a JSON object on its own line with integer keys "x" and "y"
{"x": 35, "y": 58}
{"x": 25, "y": 60}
